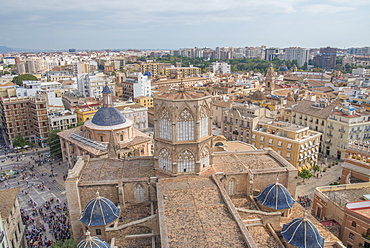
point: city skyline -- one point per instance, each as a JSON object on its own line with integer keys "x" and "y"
{"x": 41, "y": 24}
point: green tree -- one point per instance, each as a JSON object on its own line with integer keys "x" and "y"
{"x": 316, "y": 168}
{"x": 317, "y": 69}
{"x": 54, "y": 143}
{"x": 18, "y": 79}
{"x": 69, "y": 243}
{"x": 19, "y": 141}
{"x": 305, "y": 174}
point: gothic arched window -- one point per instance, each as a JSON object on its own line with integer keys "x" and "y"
{"x": 165, "y": 125}
{"x": 164, "y": 160}
{"x": 185, "y": 126}
{"x": 204, "y": 157}
{"x": 139, "y": 192}
{"x": 203, "y": 122}
{"x": 231, "y": 187}
{"x": 186, "y": 161}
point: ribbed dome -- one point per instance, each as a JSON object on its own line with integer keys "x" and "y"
{"x": 302, "y": 233}
{"x": 276, "y": 196}
{"x": 92, "y": 242}
{"x": 99, "y": 211}
{"x": 258, "y": 95}
{"x": 108, "y": 116}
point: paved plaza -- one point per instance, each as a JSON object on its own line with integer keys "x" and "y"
{"x": 37, "y": 187}
{"x": 307, "y": 188}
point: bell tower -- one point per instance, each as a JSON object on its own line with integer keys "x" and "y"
{"x": 183, "y": 133}
{"x": 270, "y": 80}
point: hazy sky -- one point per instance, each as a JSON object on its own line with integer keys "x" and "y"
{"x": 173, "y": 24}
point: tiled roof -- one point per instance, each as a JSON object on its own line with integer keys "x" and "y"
{"x": 99, "y": 211}
{"x": 229, "y": 162}
{"x": 7, "y": 199}
{"x": 276, "y": 196}
{"x": 112, "y": 169}
{"x": 302, "y": 233}
{"x": 196, "y": 214}
{"x": 305, "y": 107}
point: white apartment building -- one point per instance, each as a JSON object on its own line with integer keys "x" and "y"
{"x": 346, "y": 123}
{"x": 91, "y": 85}
{"x": 62, "y": 120}
{"x": 298, "y": 53}
{"x": 141, "y": 85}
{"x": 219, "y": 67}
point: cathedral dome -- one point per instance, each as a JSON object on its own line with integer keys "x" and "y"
{"x": 108, "y": 116}
{"x": 302, "y": 233}
{"x": 99, "y": 211}
{"x": 92, "y": 242}
{"x": 276, "y": 196}
{"x": 283, "y": 67}
{"x": 258, "y": 95}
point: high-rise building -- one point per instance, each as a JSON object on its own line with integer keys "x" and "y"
{"x": 327, "y": 58}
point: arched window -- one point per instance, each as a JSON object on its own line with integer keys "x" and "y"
{"x": 231, "y": 187}
{"x": 204, "y": 160}
{"x": 164, "y": 160}
{"x": 203, "y": 122}
{"x": 185, "y": 126}
{"x": 139, "y": 192}
{"x": 165, "y": 125}
{"x": 186, "y": 162}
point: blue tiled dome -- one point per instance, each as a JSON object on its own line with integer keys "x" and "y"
{"x": 92, "y": 242}
{"x": 283, "y": 68}
{"x": 99, "y": 211}
{"x": 276, "y": 196}
{"x": 302, "y": 233}
{"x": 106, "y": 89}
{"x": 148, "y": 73}
{"x": 108, "y": 116}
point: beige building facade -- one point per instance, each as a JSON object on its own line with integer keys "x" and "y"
{"x": 297, "y": 144}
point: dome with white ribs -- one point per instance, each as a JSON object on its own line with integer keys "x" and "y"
{"x": 276, "y": 196}
{"x": 99, "y": 211}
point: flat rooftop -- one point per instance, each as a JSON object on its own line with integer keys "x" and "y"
{"x": 344, "y": 193}
{"x": 196, "y": 214}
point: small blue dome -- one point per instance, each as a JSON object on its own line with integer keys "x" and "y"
{"x": 108, "y": 116}
{"x": 148, "y": 73}
{"x": 276, "y": 196}
{"x": 92, "y": 242}
{"x": 283, "y": 68}
{"x": 106, "y": 89}
{"x": 99, "y": 211}
{"x": 302, "y": 233}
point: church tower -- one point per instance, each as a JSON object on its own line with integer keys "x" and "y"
{"x": 183, "y": 133}
{"x": 270, "y": 81}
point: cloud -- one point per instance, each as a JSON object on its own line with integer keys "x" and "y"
{"x": 326, "y": 8}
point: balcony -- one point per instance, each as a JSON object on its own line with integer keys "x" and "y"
{"x": 342, "y": 130}
{"x": 330, "y": 134}
{"x": 330, "y": 127}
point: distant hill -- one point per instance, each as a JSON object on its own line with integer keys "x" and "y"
{"x": 4, "y": 49}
